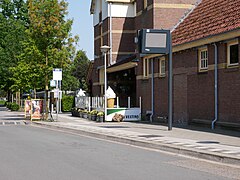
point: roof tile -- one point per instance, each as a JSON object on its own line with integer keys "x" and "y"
{"x": 210, "y": 17}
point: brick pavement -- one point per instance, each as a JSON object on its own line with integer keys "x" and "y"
{"x": 217, "y": 145}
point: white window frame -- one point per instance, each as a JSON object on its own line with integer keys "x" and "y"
{"x": 145, "y": 67}
{"x": 162, "y": 66}
{"x": 229, "y": 44}
{"x": 203, "y": 60}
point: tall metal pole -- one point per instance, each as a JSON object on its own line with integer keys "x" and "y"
{"x": 60, "y": 97}
{"x": 104, "y": 50}
{"x": 152, "y": 69}
{"x": 110, "y": 33}
{"x": 105, "y": 85}
{"x": 170, "y": 90}
{"x": 57, "y": 108}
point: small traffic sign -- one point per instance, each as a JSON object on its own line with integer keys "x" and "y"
{"x": 57, "y": 74}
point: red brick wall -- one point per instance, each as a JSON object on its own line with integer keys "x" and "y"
{"x": 193, "y": 92}
{"x": 145, "y": 20}
{"x": 167, "y": 18}
{"x": 229, "y": 85}
{"x": 123, "y": 23}
{"x": 123, "y": 42}
{"x": 160, "y": 91}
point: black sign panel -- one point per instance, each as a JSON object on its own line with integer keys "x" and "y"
{"x": 154, "y": 41}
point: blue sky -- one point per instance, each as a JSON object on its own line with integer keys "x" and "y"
{"x": 79, "y": 11}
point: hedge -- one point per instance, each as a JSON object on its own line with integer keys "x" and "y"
{"x": 67, "y": 103}
{"x": 12, "y": 106}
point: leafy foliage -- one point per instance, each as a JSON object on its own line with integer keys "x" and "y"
{"x": 80, "y": 68}
{"x": 49, "y": 30}
{"x": 69, "y": 81}
{"x": 28, "y": 74}
{"x": 35, "y": 38}
{"x": 51, "y": 34}
{"x": 15, "y": 9}
{"x": 12, "y": 106}
{"x": 67, "y": 103}
{"x": 13, "y": 23}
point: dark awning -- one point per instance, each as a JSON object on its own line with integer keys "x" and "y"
{"x": 126, "y": 63}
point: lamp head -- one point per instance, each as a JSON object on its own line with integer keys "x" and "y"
{"x": 105, "y": 48}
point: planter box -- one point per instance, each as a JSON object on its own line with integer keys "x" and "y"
{"x": 85, "y": 115}
{"x": 100, "y": 119}
{"x": 89, "y": 116}
{"x": 80, "y": 114}
{"x": 93, "y": 117}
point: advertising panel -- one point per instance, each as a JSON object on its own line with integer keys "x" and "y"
{"x": 27, "y": 108}
{"x": 128, "y": 114}
{"x": 37, "y": 109}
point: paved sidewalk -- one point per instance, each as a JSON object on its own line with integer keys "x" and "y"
{"x": 217, "y": 145}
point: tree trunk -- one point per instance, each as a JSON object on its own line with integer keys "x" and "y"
{"x": 35, "y": 93}
{"x": 46, "y": 90}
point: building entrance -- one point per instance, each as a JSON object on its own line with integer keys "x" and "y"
{"x": 123, "y": 84}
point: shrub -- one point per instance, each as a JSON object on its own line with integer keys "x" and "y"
{"x": 85, "y": 111}
{"x": 100, "y": 113}
{"x": 93, "y": 112}
{"x": 14, "y": 107}
{"x": 67, "y": 103}
{"x": 80, "y": 110}
{"x": 8, "y": 105}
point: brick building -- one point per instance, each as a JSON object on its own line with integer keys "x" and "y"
{"x": 203, "y": 32}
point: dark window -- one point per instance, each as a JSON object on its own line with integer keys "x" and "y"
{"x": 234, "y": 54}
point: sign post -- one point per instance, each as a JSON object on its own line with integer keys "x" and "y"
{"x": 170, "y": 88}
{"x": 156, "y": 41}
{"x": 57, "y": 76}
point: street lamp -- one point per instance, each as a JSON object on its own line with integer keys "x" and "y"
{"x": 104, "y": 50}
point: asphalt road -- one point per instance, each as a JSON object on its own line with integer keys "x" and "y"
{"x": 32, "y": 153}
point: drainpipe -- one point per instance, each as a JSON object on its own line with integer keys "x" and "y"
{"x": 110, "y": 33}
{"x": 215, "y": 86}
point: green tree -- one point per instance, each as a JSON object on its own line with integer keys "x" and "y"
{"x": 51, "y": 33}
{"x": 80, "y": 68}
{"x": 28, "y": 73}
{"x": 13, "y": 23}
{"x": 69, "y": 82}
{"x": 15, "y": 9}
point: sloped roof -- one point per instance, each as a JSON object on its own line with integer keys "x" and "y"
{"x": 210, "y": 17}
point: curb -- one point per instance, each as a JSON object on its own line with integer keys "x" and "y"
{"x": 215, "y": 157}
